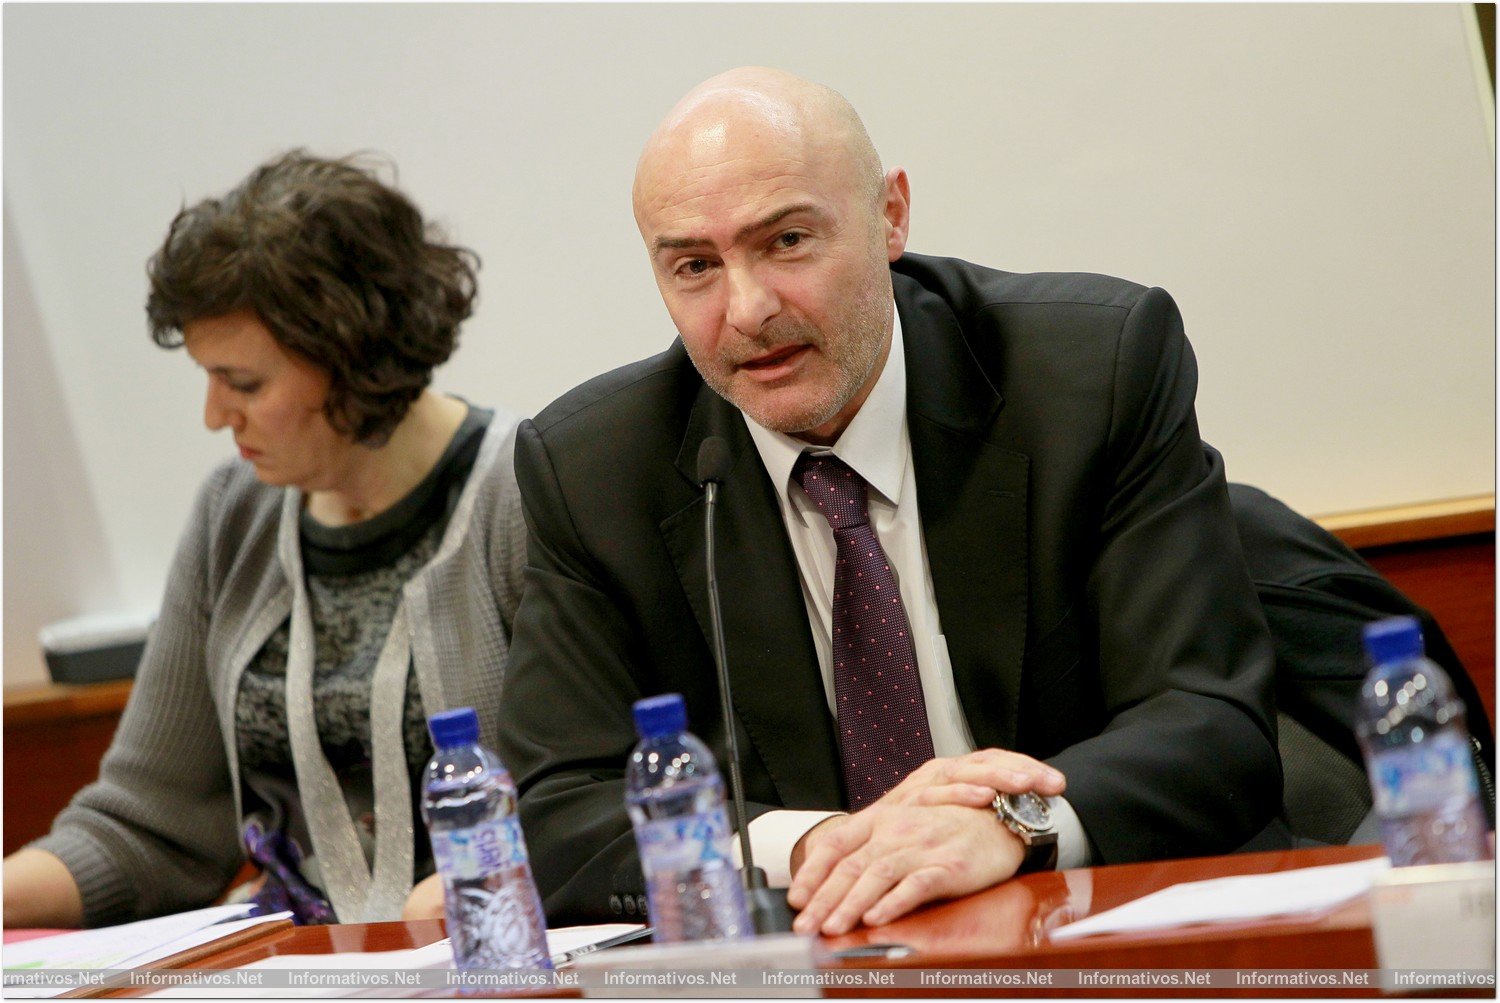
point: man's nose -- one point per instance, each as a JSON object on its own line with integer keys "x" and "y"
{"x": 752, "y": 301}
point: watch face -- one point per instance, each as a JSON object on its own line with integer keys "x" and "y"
{"x": 1029, "y": 809}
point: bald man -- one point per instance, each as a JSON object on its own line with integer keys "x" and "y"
{"x": 985, "y": 609}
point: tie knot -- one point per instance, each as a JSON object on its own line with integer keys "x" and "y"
{"x": 837, "y": 490}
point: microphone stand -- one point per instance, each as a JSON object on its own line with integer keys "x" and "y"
{"x": 768, "y": 909}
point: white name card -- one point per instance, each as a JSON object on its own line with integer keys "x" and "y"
{"x": 715, "y": 969}
{"x": 1441, "y": 916}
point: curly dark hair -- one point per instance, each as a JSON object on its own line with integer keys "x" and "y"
{"x": 338, "y": 266}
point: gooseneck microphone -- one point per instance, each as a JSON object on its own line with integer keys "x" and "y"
{"x": 768, "y": 908}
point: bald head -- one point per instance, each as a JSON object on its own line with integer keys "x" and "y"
{"x": 771, "y": 230}
{"x": 755, "y": 109}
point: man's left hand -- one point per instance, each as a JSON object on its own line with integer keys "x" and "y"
{"x": 881, "y": 863}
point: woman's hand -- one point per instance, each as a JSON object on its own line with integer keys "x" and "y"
{"x": 40, "y": 892}
{"x": 425, "y": 900}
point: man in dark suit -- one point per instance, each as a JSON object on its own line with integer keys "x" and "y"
{"x": 1069, "y": 612}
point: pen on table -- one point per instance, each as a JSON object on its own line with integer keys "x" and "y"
{"x": 886, "y": 951}
{"x": 568, "y": 957}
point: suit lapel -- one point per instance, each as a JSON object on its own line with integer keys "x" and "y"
{"x": 973, "y": 501}
{"x": 773, "y": 666}
{"x": 973, "y": 496}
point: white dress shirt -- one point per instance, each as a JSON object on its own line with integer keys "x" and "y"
{"x": 876, "y": 446}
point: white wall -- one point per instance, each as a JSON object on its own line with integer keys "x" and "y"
{"x": 1313, "y": 183}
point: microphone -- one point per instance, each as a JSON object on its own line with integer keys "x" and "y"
{"x": 768, "y": 908}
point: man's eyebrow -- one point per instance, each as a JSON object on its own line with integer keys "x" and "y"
{"x": 682, "y": 243}
{"x": 773, "y": 219}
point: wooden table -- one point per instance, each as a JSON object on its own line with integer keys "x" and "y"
{"x": 1007, "y": 927}
{"x": 55, "y": 736}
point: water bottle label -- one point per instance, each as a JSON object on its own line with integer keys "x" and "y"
{"x": 464, "y": 854}
{"x": 1419, "y": 777}
{"x": 497, "y": 922}
{"x": 673, "y": 845}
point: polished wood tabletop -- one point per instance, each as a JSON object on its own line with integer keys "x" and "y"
{"x": 1009, "y": 926}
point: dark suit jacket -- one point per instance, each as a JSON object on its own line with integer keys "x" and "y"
{"x": 1092, "y": 592}
{"x": 1317, "y": 595}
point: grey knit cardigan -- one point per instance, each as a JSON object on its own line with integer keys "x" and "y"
{"x": 158, "y": 832}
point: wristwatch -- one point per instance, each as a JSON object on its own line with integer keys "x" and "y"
{"x": 1028, "y": 816}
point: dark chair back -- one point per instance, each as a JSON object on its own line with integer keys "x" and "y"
{"x": 1317, "y": 595}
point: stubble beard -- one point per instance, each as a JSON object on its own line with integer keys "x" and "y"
{"x": 853, "y": 346}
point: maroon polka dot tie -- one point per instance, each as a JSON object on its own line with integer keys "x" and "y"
{"x": 882, "y": 719}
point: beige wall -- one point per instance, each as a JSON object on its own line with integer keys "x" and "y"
{"x": 1313, "y": 184}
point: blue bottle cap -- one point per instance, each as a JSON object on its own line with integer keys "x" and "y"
{"x": 1393, "y": 640}
{"x": 658, "y": 716}
{"x": 459, "y": 726}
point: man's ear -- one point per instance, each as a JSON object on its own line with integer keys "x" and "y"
{"x": 896, "y": 210}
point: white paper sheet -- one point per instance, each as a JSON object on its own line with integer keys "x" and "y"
{"x": 130, "y": 945}
{"x": 436, "y": 955}
{"x": 373, "y": 963}
{"x": 1250, "y": 896}
{"x": 111, "y": 946}
{"x": 207, "y": 935}
{"x": 571, "y": 938}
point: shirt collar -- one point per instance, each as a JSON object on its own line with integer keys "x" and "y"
{"x": 873, "y": 444}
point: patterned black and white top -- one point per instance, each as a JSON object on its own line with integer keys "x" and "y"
{"x": 354, "y": 577}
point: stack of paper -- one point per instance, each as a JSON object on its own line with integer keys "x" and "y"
{"x": 437, "y": 955}
{"x": 132, "y": 945}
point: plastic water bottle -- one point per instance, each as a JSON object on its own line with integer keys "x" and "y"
{"x": 675, "y": 797}
{"x": 1416, "y": 746}
{"x": 469, "y": 803}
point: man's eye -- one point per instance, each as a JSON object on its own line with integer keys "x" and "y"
{"x": 244, "y": 388}
{"x": 790, "y": 239}
{"x": 693, "y": 267}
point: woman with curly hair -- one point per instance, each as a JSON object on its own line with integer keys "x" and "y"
{"x": 355, "y": 569}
